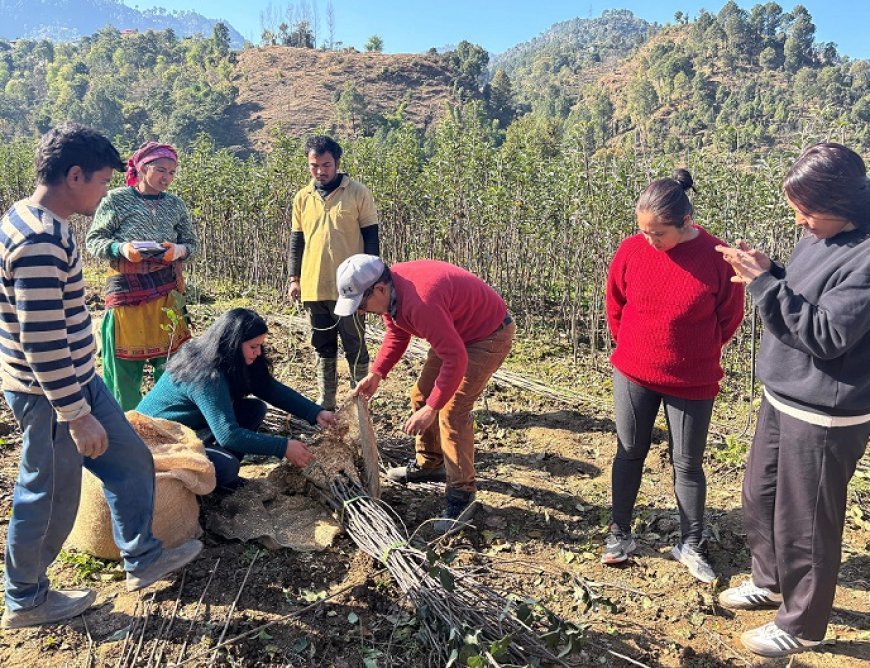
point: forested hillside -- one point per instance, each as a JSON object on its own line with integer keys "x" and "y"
{"x": 549, "y": 68}
{"x": 67, "y": 20}
{"x": 132, "y": 86}
{"x": 738, "y": 80}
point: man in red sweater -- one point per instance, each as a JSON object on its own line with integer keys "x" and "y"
{"x": 470, "y": 333}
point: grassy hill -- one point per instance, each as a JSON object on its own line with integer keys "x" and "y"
{"x": 298, "y": 90}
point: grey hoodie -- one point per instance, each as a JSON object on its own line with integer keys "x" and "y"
{"x": 815, "y": 352}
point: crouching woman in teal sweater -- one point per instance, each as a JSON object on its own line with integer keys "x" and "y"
{"x": 206, "y": 386}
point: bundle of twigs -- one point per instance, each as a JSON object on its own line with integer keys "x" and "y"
{"x": 450, "y": 604}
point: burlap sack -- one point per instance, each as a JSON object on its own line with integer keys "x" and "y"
{"x": 275, "y": 512}
{"x": 182, "y": 472}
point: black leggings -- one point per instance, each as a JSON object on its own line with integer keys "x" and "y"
{"x": 688, "y": 421}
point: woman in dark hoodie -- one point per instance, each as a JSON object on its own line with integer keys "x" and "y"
{"x": 814, "y": 419}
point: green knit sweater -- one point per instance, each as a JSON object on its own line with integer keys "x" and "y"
{"x": 210, "y": 405}
{"x": 126, "y": 215}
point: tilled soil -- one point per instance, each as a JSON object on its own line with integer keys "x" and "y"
{"x": 543, "y": 470}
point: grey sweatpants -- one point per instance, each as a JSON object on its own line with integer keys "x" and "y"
{"x": 794, "y": 509}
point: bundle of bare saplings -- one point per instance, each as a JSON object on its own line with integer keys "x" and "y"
{"x": 451, "y": 604}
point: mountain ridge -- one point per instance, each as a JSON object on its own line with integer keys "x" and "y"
{"x": 73, "y": 19}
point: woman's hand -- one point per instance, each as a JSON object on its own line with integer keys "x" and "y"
{"x": 748, "y": 263}
{"x": 174, "y": 252}
{"x": 368, "y": 386}
{"x": 298, "y": 453}
{"x": 420, "y": 421}
{"x": 325, "y": 419}
{"x": 128, "y": 250}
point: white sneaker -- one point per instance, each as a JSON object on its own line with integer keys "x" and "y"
{"x": 770, "y": 640}
{"x": 749, "y": 597}
{"x": 695, "y": 559}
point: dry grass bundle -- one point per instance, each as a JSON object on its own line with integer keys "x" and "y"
{"x": 335, "y": 451}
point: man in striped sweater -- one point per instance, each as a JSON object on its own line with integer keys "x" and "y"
{"x": 67, "y": 417}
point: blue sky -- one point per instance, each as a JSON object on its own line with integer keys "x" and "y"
{"x": 413, "y": 26}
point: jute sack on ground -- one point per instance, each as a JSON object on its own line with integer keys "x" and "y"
{"x": 275, "y": 510}
{"x": 182, "y": 472}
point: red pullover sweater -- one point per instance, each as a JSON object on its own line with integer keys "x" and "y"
{"x": 670, "y": 314}
{"x": 446, "y": 305}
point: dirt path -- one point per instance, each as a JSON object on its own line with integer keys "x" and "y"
{"x": 544, "y": 483}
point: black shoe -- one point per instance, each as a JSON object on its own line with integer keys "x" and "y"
{"x": 461, "y": 507}
{"x": 413, "y": 473}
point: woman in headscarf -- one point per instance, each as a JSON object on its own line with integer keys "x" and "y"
{"x": 145, "y": 233}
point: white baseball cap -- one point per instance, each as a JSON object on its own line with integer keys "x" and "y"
{"x": 354, "y": 276}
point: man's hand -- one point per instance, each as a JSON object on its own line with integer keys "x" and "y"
{"x": 294, "y": 292}
{"x": 89, "y": 436}
{"x": 420, "y": 421}
{"x": 128, "y": 250}
{"x": 368, "y": 386}
{"x": 325, "y": 419}
{"x": 298, "y": 453}
{"x": 174, "y": 252}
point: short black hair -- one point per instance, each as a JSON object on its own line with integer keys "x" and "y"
{"x": 71, "y": 144}
{"x": 321, "y": 144}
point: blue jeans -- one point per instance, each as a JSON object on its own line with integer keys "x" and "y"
{"x": 635, "y": 408}
{"x": 47, "y": 491}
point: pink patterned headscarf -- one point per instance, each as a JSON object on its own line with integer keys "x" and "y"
{"x": 148, "y": 152}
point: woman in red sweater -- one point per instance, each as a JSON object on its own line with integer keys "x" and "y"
{"x": 671, "y": 307}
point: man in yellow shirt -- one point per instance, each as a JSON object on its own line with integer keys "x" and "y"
{"x": 334, "y": 217}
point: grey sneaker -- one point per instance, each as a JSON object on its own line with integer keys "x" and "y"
{"x": 770, "y": 640}
{"x": 461, "y": 507}
{"x": 413, "y": 473}
{"x": 618, "y": 546}
{"x": 749, "y": 597}
{"x": 695, "y": 559}
{"x": 169, "y": 561}
{"x": 58, "y": 606}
